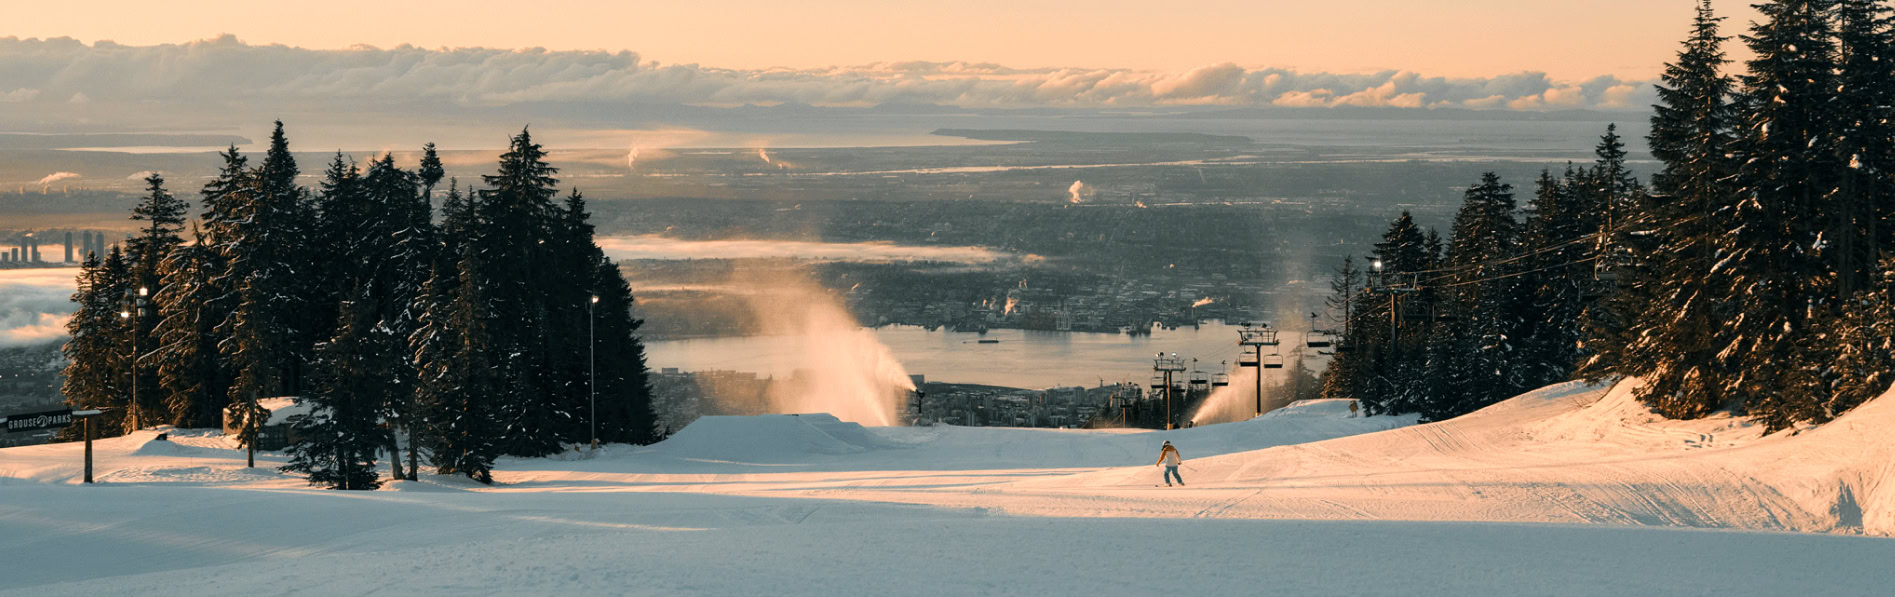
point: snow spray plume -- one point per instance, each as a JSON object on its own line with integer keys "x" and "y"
{"x": 1202, "y": 302}
{"x": 841, "y": 368}
{"x": 1238, "y": 401}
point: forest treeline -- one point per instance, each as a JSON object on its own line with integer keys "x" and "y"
{"x": 454, "y": 339}
{"x": 1753, "y": 273}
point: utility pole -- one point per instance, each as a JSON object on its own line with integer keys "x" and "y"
{"x": 1391, "y": 284}
{"x": 592, "y": 369}
{"x": 250, "y": 435}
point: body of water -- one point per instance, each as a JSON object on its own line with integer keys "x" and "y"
{"x": 1019, "y": 358}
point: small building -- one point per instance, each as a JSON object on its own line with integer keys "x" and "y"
{"x": 274, "y": 433}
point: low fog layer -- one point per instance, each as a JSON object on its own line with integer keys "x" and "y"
{"x": 34, "y": 305}
{"x": 657, "y": 247}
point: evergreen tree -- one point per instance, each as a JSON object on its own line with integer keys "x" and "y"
{"x": 1676, "y": 353}
{"x": 1485, "y": 299}
{"x": 1380, "y": 348}
{"x": 624, "y": 391}
{"x": 469, "y": 421}
{"x": 1865, "y": 339}
{"x": 342, "y": 213}
{"x": 195, "y": 386}
{"x": 1770, "y": 260}
{"x": 1344, "y": 376}
{"x": 97, "y": 373}
{"x": 261, "y": 338}
{"x": 163, "y": 215}
{"x": 394, "y": 229}
{"x": 413, "y": 247}
{"x": 198, "y": 297}
{"x": 457, "y": 388}
{"x": 431, "y": 172}
{"x": 514, "y": 219}
{"x": 224, "y": 197}
{"x": 338, "y": 439}
{"x": 1556, "y": 277}
{"x": 1865, "y": 143}
{"x": 1615, "y": 208}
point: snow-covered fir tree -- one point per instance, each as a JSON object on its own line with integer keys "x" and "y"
{"x": 1690, "y": 135}
{"x": 190, "y": 371}
{"x": 99, "y": 349}
{"x": 339, "y": 437}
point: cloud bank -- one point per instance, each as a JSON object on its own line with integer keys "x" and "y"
{"x": 221, "y": 70}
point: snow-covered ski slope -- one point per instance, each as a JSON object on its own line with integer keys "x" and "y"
{"x": 1302, "y": 501}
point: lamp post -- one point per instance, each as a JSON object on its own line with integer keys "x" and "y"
{"x": 138, "y": 306}
{"x": 592, "y": 370}
{"x": 132, "y": 420}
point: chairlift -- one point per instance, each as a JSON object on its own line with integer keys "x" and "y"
{"x": 1274, "y": 361}
{"x": 1220, "y": 380}
{"x": 1248, "y": 359}
{"x": 1157, "y": 383}
{"x": 1317, "y": 339}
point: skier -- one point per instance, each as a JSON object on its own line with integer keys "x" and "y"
{"x": 1168, "y": 457}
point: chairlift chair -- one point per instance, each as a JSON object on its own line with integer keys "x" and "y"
{"x": 1248, "y": 359}
{"x": 1317, "y": 339}
{"x": 1220, "y": 380}
{"x": 1274, "y": 361}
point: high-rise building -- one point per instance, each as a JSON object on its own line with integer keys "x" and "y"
{"x": 68, "y": 247}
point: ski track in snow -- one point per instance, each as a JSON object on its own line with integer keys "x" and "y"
{"x": 1281, "y": 504}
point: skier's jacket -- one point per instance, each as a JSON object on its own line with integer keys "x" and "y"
{"x": 1169, "y": 456}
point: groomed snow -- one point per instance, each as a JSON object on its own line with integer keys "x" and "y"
{"x": 1302, "y": 501}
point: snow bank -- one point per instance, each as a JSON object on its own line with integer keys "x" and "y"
{"x": 822, "y": 442}
{"x": 769, "y": 438}
{"x": 1325, "y": 407}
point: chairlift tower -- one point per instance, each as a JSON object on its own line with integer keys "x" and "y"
{"x": 1166, "y": 367}
{"x": 1253, "y": 338}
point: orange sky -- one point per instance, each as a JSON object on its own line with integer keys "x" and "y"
{"x": 1570, "y": 39}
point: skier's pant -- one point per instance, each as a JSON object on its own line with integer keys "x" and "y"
{"x": 1171, "y": 472}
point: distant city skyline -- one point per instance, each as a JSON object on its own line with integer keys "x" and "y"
{"x": 1627, "y": 39}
